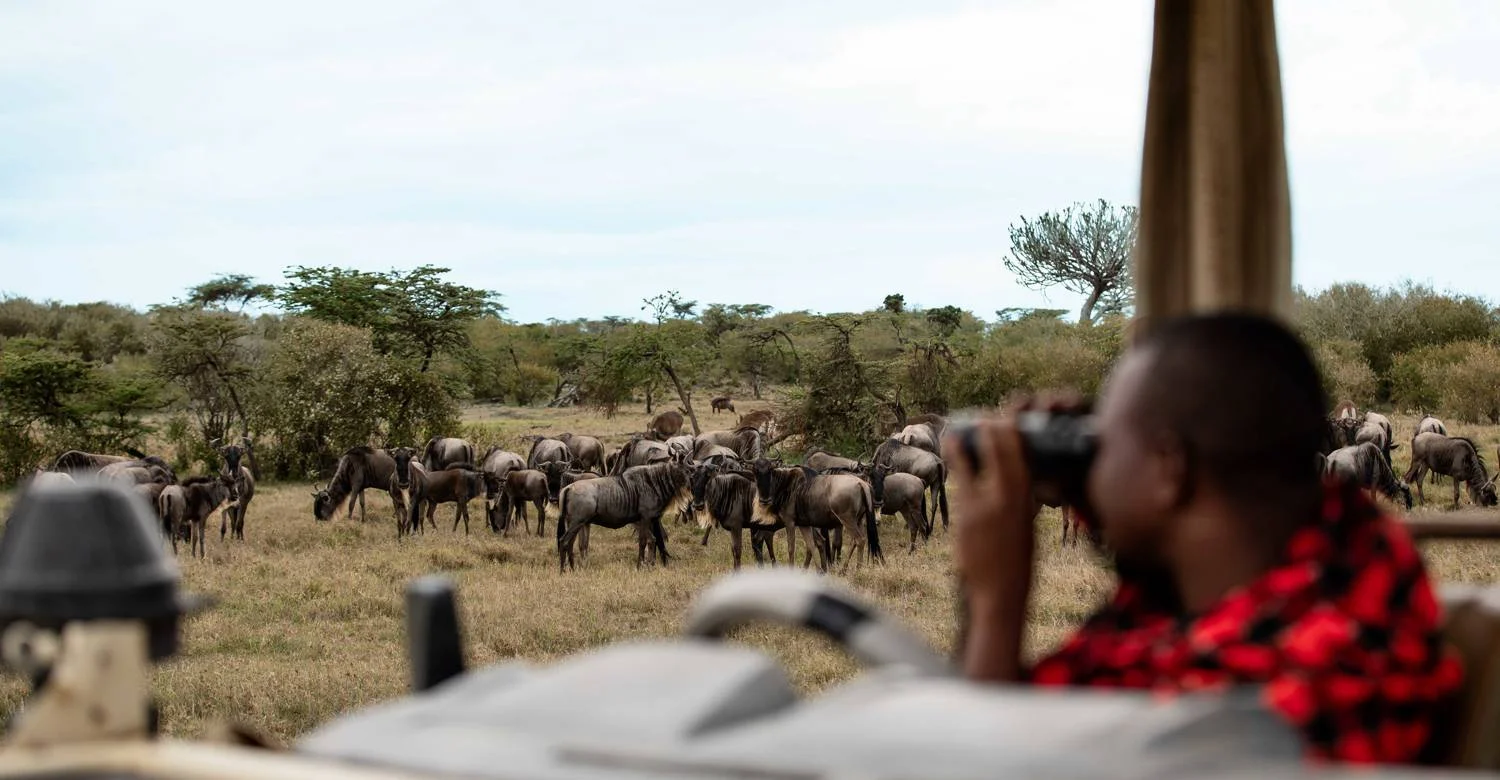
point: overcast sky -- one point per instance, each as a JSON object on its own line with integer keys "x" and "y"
{"x": 578, "y": 156}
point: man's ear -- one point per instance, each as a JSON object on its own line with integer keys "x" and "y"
{"x": 1174, "y": 475}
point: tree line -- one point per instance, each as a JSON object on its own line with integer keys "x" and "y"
{"x": 333, "y": 357}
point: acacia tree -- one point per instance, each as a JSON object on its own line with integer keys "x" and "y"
{"x": 1085, "y": 249}
{"x": 226, "y": 289}
{"x": 209, "y": 355}
{"x": 674, "y": 346}
{"x": 413, "y": 315}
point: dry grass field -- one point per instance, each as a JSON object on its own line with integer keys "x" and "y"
{"x": 309, "y": 622}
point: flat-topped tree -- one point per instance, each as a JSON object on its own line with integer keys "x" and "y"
{"x": 1084, "y": 248}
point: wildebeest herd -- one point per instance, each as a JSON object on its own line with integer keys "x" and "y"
{"x": 719, "y": 479}
{"x": 1359, "y": 447}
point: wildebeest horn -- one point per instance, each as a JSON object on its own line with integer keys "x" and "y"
{"x": 215, "y": 442}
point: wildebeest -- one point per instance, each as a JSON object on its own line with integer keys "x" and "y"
{"x": 903, "y": 494}
{"x": 359, "y": 469}
{"x": 921, "y": 463}
{"x": 665, "y": 425}
{"x": 1365, "y": 465}
{"x": 726, "y": 500}
{"x": 1345, "y": 411}
{"x": 638, "y": 497}
{"x": 138, "y": 472}
{"x": 544, "y": 450}
{"x": 189, "y": 504}
{"x": 1048, "y": 495}
{"x": 444, "y": 452}
{"x": 1430, "y": 424}
{"x": 722, "y": 403}
{"x": 499, "y": 462}
{"x": 233, "y": 517}
{"x": 924, "y": 435}
{"x": 519, "y": 488}
{"x": 457, "y": 484}
{"x": 1377, "y": 430}
{"x": 760, "y": 419}
{"x": 747, "y": 442}
{"x": 1452, "y": 456}
{"x": 78, "y": 462}
{"x": 682, "y": 444}
{"x": 804, "y": 499}
{"x": 819, "y": 459}
{"x": 585, "y": 452}
{"x": 639, "y": 451}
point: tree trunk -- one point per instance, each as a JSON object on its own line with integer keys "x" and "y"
{"x": 1086, "y": 314}
{"x": 649, "y": 386}
{"x": 684, "y": 397}
{"x": 755, "y": 385}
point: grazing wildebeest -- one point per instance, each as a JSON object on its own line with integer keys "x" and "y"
{"x": 637, "y": 497}
{"x": 921, "y": 463}
{"x": 804, "y": 499}
{"x": 1430, "y": 424}
{"x": 359, "y": 469}
{"x": 903, "y": 494}
{"x": 585, "y": 452}
{"x": 639, "y": 451}
{"x": 665, "y": 425}
{"x": 189, "y": 504}
{"x": 722, "y": 403}
{"x": 1345, "y": 411}
{"x": 1452, "y": 456}
{"x": 1385, "y": 438}
{"x": 233, "y": 517}
{"x": 1365, "y": 465}
{"x": 457, "y": 484}
{"x": 819, "y": 459}
{"x": 708, "y": 451}
{"x": 520, "y": 487}
{"x": 444, "y": 452}
{"x": 544, "y": 450}
{"x": 745, "y": 441}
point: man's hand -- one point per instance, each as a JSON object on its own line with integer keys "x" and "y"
{"x": 995, "y": 540}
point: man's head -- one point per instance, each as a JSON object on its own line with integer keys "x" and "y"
{"x": 1224, "y": 410}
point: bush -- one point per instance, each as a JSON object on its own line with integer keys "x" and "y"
{"x": 1346, "y": 375}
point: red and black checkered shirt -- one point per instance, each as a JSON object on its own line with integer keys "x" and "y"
{"x": 1343, "y": 635}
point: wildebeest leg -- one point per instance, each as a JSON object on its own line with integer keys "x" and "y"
{"x": 736, "y": 544}
{"x": 1455, "y": 493}
{"x": 583, "y": 543}
{"x": 913, "y": 525}
{"x": 791, "y": 545}
{"x": 807, "y": 536}
{"x": 706, "y": 532}
{"x": 223, "y": 523}
{"x": 541, "y": 514}
{"x": 360, "y": 494}
{"x": 199, "y": 540}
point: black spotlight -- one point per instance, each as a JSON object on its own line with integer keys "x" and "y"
{"x": 90, "y": 551}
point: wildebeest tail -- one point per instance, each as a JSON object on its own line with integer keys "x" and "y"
{"x": 927, "y": 521}
{"x": 942, "y": 495}
{"x": 562, "y": 516}
{"x": 872, "y": 526}
{"x": 134, "y": 453}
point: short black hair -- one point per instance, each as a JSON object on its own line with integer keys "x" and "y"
{"x": 1243, "y": 394}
